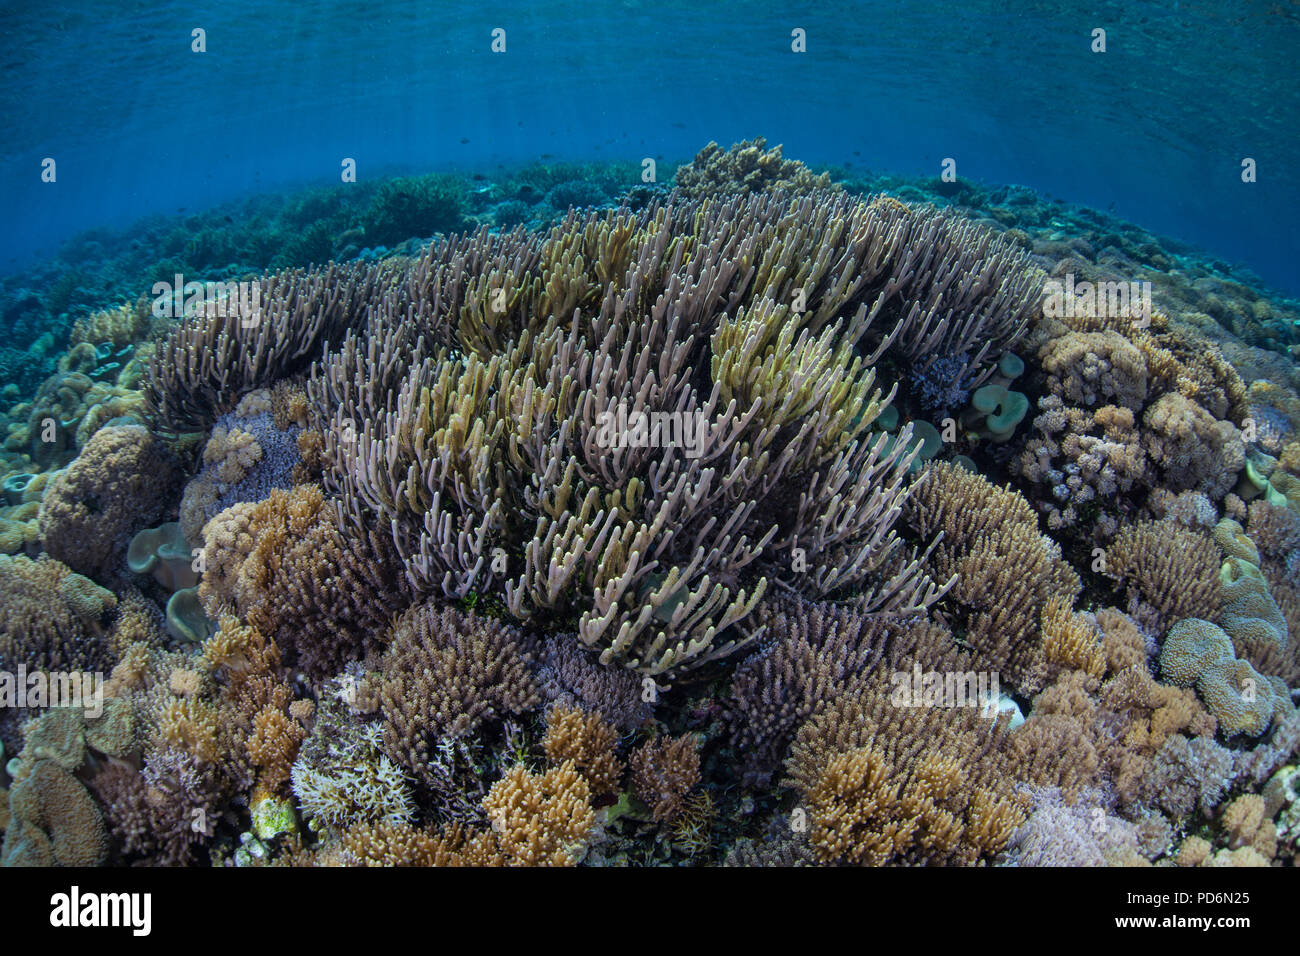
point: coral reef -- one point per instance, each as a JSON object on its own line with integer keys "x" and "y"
{"x": 759, "y": 518}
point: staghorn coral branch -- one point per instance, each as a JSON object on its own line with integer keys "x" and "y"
{"x": 495, "y": 411}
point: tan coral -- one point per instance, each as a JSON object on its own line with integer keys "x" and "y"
{"x": 746, "y": 167}
{"x": 54, "y": 619}
{"x": 541, "y": 819}
{"x": 1246, "y": 824}
{"x": 589, "y": 741}
{"x": 1006, "y": 570}
{"x": 1068, "y": 640}
{"x": 1169, "y": 567}
{"x": 1192, "y": 448}
{"x": 54, "y": 821}
{"x": 121, "y": 482}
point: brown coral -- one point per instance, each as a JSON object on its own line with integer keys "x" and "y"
{"x": 273, "y": 745}
{"x": 812, "y": 650}
{"x": 445, "y": 674}
{"x": 1069, "y": 641}
{"x": 664, "y": 770}
{"x": 746, "y": 167}
{"x": 1247, "y": 825}
{"x": 917, "y": 784}
{"x": 288, "y": 567}
{"x": 1006, "y": 571}
{"x": 122, "y": 325}
{"x": 53, "y": 820}
{"x": 121, "y": 482}
{"x": 1092, "y": 368}
{"x": 54, "y": 620}
{"x": 211, "y": 359}
{"x": 1168, "y": 567}
{"x": 1191, "y": 448}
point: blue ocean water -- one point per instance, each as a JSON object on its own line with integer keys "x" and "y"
{"x": 1154, "y": 129}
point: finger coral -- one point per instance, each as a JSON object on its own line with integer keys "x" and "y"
{"x": 263, "y": 333}
{"x": 810, "y": 652}
{"x": 1005, "y": 570}
{"x": 587, "y": 740}
{"x": 497, "y": 467}
{"x": 541, "y": 819}
{"x": 1167, "y": 567}
{"x": 746, "y": 519}
{"x": 569, "y": 675}
{"x": 342, "y": 777}
{"x": 444, "y": 674}
{"x": 870, "y": 801}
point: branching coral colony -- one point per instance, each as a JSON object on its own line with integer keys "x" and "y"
{"x": 627, "y": 543}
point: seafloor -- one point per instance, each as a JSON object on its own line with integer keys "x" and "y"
{"x": 762, "y": 517}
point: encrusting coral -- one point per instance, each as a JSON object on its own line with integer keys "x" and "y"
{"x": 53, "y": 820}
{"x": 120, "y": 483}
